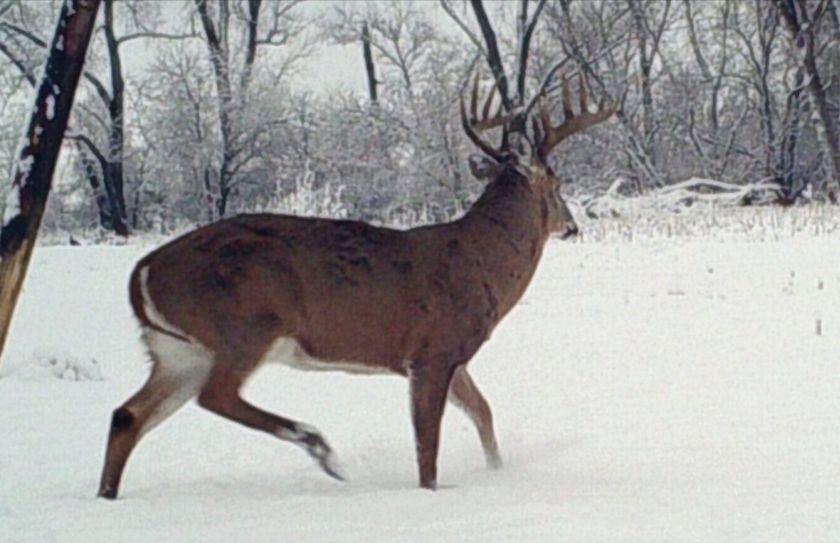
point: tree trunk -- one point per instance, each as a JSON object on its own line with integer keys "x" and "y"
{"x": 33, "y": 175}
{"x": 801, "y": 27}
{"x": 369, "y": 67}
{"x": 220, "y": 60}
{"x": 112, "y": 165}
{"x": 99, "y": 194}
{"x": 494, "y": 59}
{"x": 646, "y": 82}
{"x": 116, "y": 136}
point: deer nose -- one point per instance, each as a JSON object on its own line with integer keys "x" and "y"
{"x": 570, "y": 231}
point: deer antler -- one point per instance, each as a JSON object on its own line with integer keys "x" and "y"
{"x": 573, "y": 122}
{"x": 474, "y": 125}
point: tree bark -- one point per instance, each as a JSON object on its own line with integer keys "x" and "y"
{"x": 114, "y": 182}
{"x": 99, "y": 193}
{"x": 801, "y": 26}
{"x": 33, "y": 175}
{"x": 111, "y": 161}
{"x": 220, "y": 60}
{"x": 647, "y": 53}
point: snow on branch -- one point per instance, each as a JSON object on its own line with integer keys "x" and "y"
{"x": 678, "y": 197}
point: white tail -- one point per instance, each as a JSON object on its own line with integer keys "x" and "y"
{"x": 217, "y": 302}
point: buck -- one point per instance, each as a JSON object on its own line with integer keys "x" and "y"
{"x": 314, "y": 293}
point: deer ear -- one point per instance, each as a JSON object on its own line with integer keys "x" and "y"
{"x": 484, "y": 168}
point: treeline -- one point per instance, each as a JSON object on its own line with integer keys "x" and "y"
{"x": 216, "y": 121}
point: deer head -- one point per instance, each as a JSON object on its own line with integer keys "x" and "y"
{"x": 528, "y": 153}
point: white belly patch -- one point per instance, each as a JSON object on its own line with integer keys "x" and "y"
{"x": 287, "y": 351}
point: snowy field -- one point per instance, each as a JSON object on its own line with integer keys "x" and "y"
{"x": 673, "y": 379}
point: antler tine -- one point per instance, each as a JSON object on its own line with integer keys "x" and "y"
{"x": 486, "y": 122}
{"x": 545, "y": 113}
{"x": 566, "y": 97}
{"x": 488, "y": 103}
{"x": 474, "y": 97}
{"x": 475, "y": 138}
{"x": 535, "y": 124}
{"x": 573, "y": 122}
{"x": 474, "y": 124}
{"x": 583, "y": 94}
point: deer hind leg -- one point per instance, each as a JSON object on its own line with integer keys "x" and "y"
{"x": 220, "y": 395}
{"x": 465, "y": 394}
{"x": 178, "y": 373}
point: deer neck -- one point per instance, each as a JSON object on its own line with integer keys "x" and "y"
{"x": 508, "y": 226}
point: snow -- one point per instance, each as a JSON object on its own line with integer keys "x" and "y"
{"x": 653, "y": 387}
{"x": 11, "y": 208}
{"x": 677, "y": 197}
{"x": 25, "y": 165}
{"x": 50, "y": 107}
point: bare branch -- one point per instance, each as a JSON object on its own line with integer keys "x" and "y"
{"x": 463, "y": 26}
{"x": 98, "y": 86}
{"x": 23, "y": 32}
{"x": 695, "y": 44}
{"x": 94, "y": 150}
{"x": 524, "y": 51}
{"x": 150, "y": 34}
{"x": 18, "y": 63}
{"x": 494, "y": 59}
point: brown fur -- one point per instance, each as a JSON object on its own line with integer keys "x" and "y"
{"x": 418, "y": 302}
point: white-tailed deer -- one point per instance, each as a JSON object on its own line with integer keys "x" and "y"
{"x": 324, "y": 294}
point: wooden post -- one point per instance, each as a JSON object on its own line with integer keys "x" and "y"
{"x": 39, "y": 151}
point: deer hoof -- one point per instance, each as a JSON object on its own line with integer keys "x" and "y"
{"x": 331, "y": 466}
{"x": 494, "y": 461}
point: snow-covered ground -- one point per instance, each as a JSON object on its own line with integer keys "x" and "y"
{"x": 671, "y": 380}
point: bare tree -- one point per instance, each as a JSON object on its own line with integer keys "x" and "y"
{"x": 648, "y": 34}
{"x": 370, "y": 68}
{"x": 419, "y": 71}
{"x": 803, "y": 19}
{"x": 233, "y": 79}
{"x": 400, "y": 35}
{"x": 105, "y": 150}
{"x": 713, "y": 142}
{"x": 598, "y": 36}
{"x": 39, "y": 152}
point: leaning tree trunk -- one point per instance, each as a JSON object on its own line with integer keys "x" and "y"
{"x": 39, "y": 154}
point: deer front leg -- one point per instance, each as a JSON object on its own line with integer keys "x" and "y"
{"x": 428, "y": 384}
{"x": 465, "y": 394}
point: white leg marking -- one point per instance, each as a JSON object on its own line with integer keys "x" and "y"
{"x": 182, "y": 369}
{"x": 310, "y": 439}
